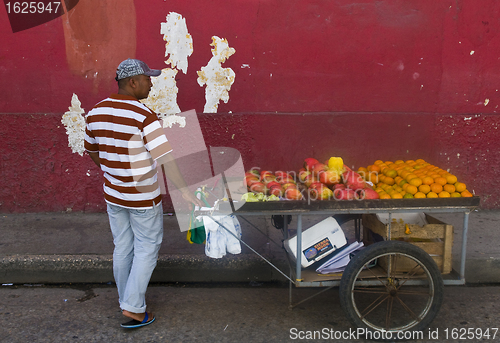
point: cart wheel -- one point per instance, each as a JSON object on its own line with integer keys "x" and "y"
{"x": 391, "y": 286}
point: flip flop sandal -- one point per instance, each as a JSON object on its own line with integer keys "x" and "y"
{"x": 137, "y": 324}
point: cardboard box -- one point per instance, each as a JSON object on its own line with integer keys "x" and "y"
{"x": 420, "y": 229}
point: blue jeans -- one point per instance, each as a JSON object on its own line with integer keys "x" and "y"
{"x": 137, "y": 236}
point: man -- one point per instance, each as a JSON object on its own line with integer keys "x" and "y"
{"x": 125, "y": 139}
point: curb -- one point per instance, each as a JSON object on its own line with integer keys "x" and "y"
{"x": 51, "y": 269}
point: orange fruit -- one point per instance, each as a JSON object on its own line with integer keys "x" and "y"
{"x": 404, "y": 173}
{"x": 432, "y": 195}
{"x": 427, "y": 180}
{"x": 466, "y": 194}
{"x": 388, "y": 180}
{"x": 441, "y": 180}
{"x": 374, "y": 168}
{"x": 410, "y": 176}
{"x": 419, "y": 195}
{"x": 373, "y": 177}
{"x": 399, "y": 162}
{"x": 384, "y": 196}
{"x": 396, "y": 195}
{"x": 449, "y": 188}
{"x": 411, "y": 189}
{"x": 444, "y": 194}
{"x": 424, "y": 188}
{"x": 362, "y": 170}
{"x": 398, "y": 179}
{"x": 408, "y": 196}
{"x": 416, "y": 181}
{"x": 420, "y": 160}
{"x": 377, "y": 162}
{"x": 452, "y": 179}
{"x": 390, "y": 172}
{"x": 436, "y": 188}
{"x": 455, "y": 195}
{"x": 402, "y": 183}
{"x": 460, "y": 187}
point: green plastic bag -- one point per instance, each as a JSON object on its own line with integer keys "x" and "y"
{"x": 196, "y": 233}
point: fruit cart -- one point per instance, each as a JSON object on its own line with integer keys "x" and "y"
{"x": 376, "y": 293}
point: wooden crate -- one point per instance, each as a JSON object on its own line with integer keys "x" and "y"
{"x": 434, "y": 237}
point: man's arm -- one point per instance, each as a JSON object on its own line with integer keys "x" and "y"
{"x": 95, "y": 157}
{"x": 174, "y": 174}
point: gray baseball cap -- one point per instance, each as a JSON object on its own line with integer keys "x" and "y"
{"x": 132, "y": 67}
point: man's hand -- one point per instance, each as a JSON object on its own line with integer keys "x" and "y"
{"x": 189, "y": 197}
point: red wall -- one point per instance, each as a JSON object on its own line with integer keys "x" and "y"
{"x": 367, "y": 80}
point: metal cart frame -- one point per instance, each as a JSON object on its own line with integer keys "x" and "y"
{"x": 390, "y": 206}
{"x": 356, "y": 207}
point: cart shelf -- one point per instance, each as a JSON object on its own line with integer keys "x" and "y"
{"x": 298, "y": 208}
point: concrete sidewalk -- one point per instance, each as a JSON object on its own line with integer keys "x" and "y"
{"x": 78, "y": 247}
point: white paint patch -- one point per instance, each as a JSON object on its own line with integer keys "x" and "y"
{"x": 465, "y": 119}
{"x": 472, "y": 52}
{"x": 179, "y": 42}
{"x": 74, "y": 122}
{"x": 169, "y": 121}
{"x": 416, "y": 75}
{"x": 245, "y": 66}
{"x": 218, "y": 80}
{"x": 401, "y": 66}
{"x": 486, "y": 101}
{"x": 162, "y": 97}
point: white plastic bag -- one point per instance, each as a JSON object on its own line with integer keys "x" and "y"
{"x": 219, "y": 240}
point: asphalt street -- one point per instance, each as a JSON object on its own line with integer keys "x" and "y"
{"x": 221, "y": 313}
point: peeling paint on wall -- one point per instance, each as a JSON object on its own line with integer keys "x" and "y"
{"x": 163, "y": 95}
{"x": 179, "y": 42}
{"x": 217, "y": 79}
{"x": 74, "y": 122}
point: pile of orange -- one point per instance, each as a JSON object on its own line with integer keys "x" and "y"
{"x": 412, "y": 179}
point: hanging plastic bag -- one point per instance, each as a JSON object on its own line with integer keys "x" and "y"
{"x": 223, "y": 235}
{"x": 196, "y": 233}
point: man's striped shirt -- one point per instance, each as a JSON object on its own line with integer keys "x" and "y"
{"x": 129, "y": 139}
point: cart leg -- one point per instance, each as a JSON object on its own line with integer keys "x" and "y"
{"x": 298, "y": 266}
{"x": 290, "y": 290}
{"x": 464, "y": 246}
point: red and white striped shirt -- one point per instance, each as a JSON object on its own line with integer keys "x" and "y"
{"x": 129, "y": 139}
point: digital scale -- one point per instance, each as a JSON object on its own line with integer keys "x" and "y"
{"x": 318, "y": 241}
